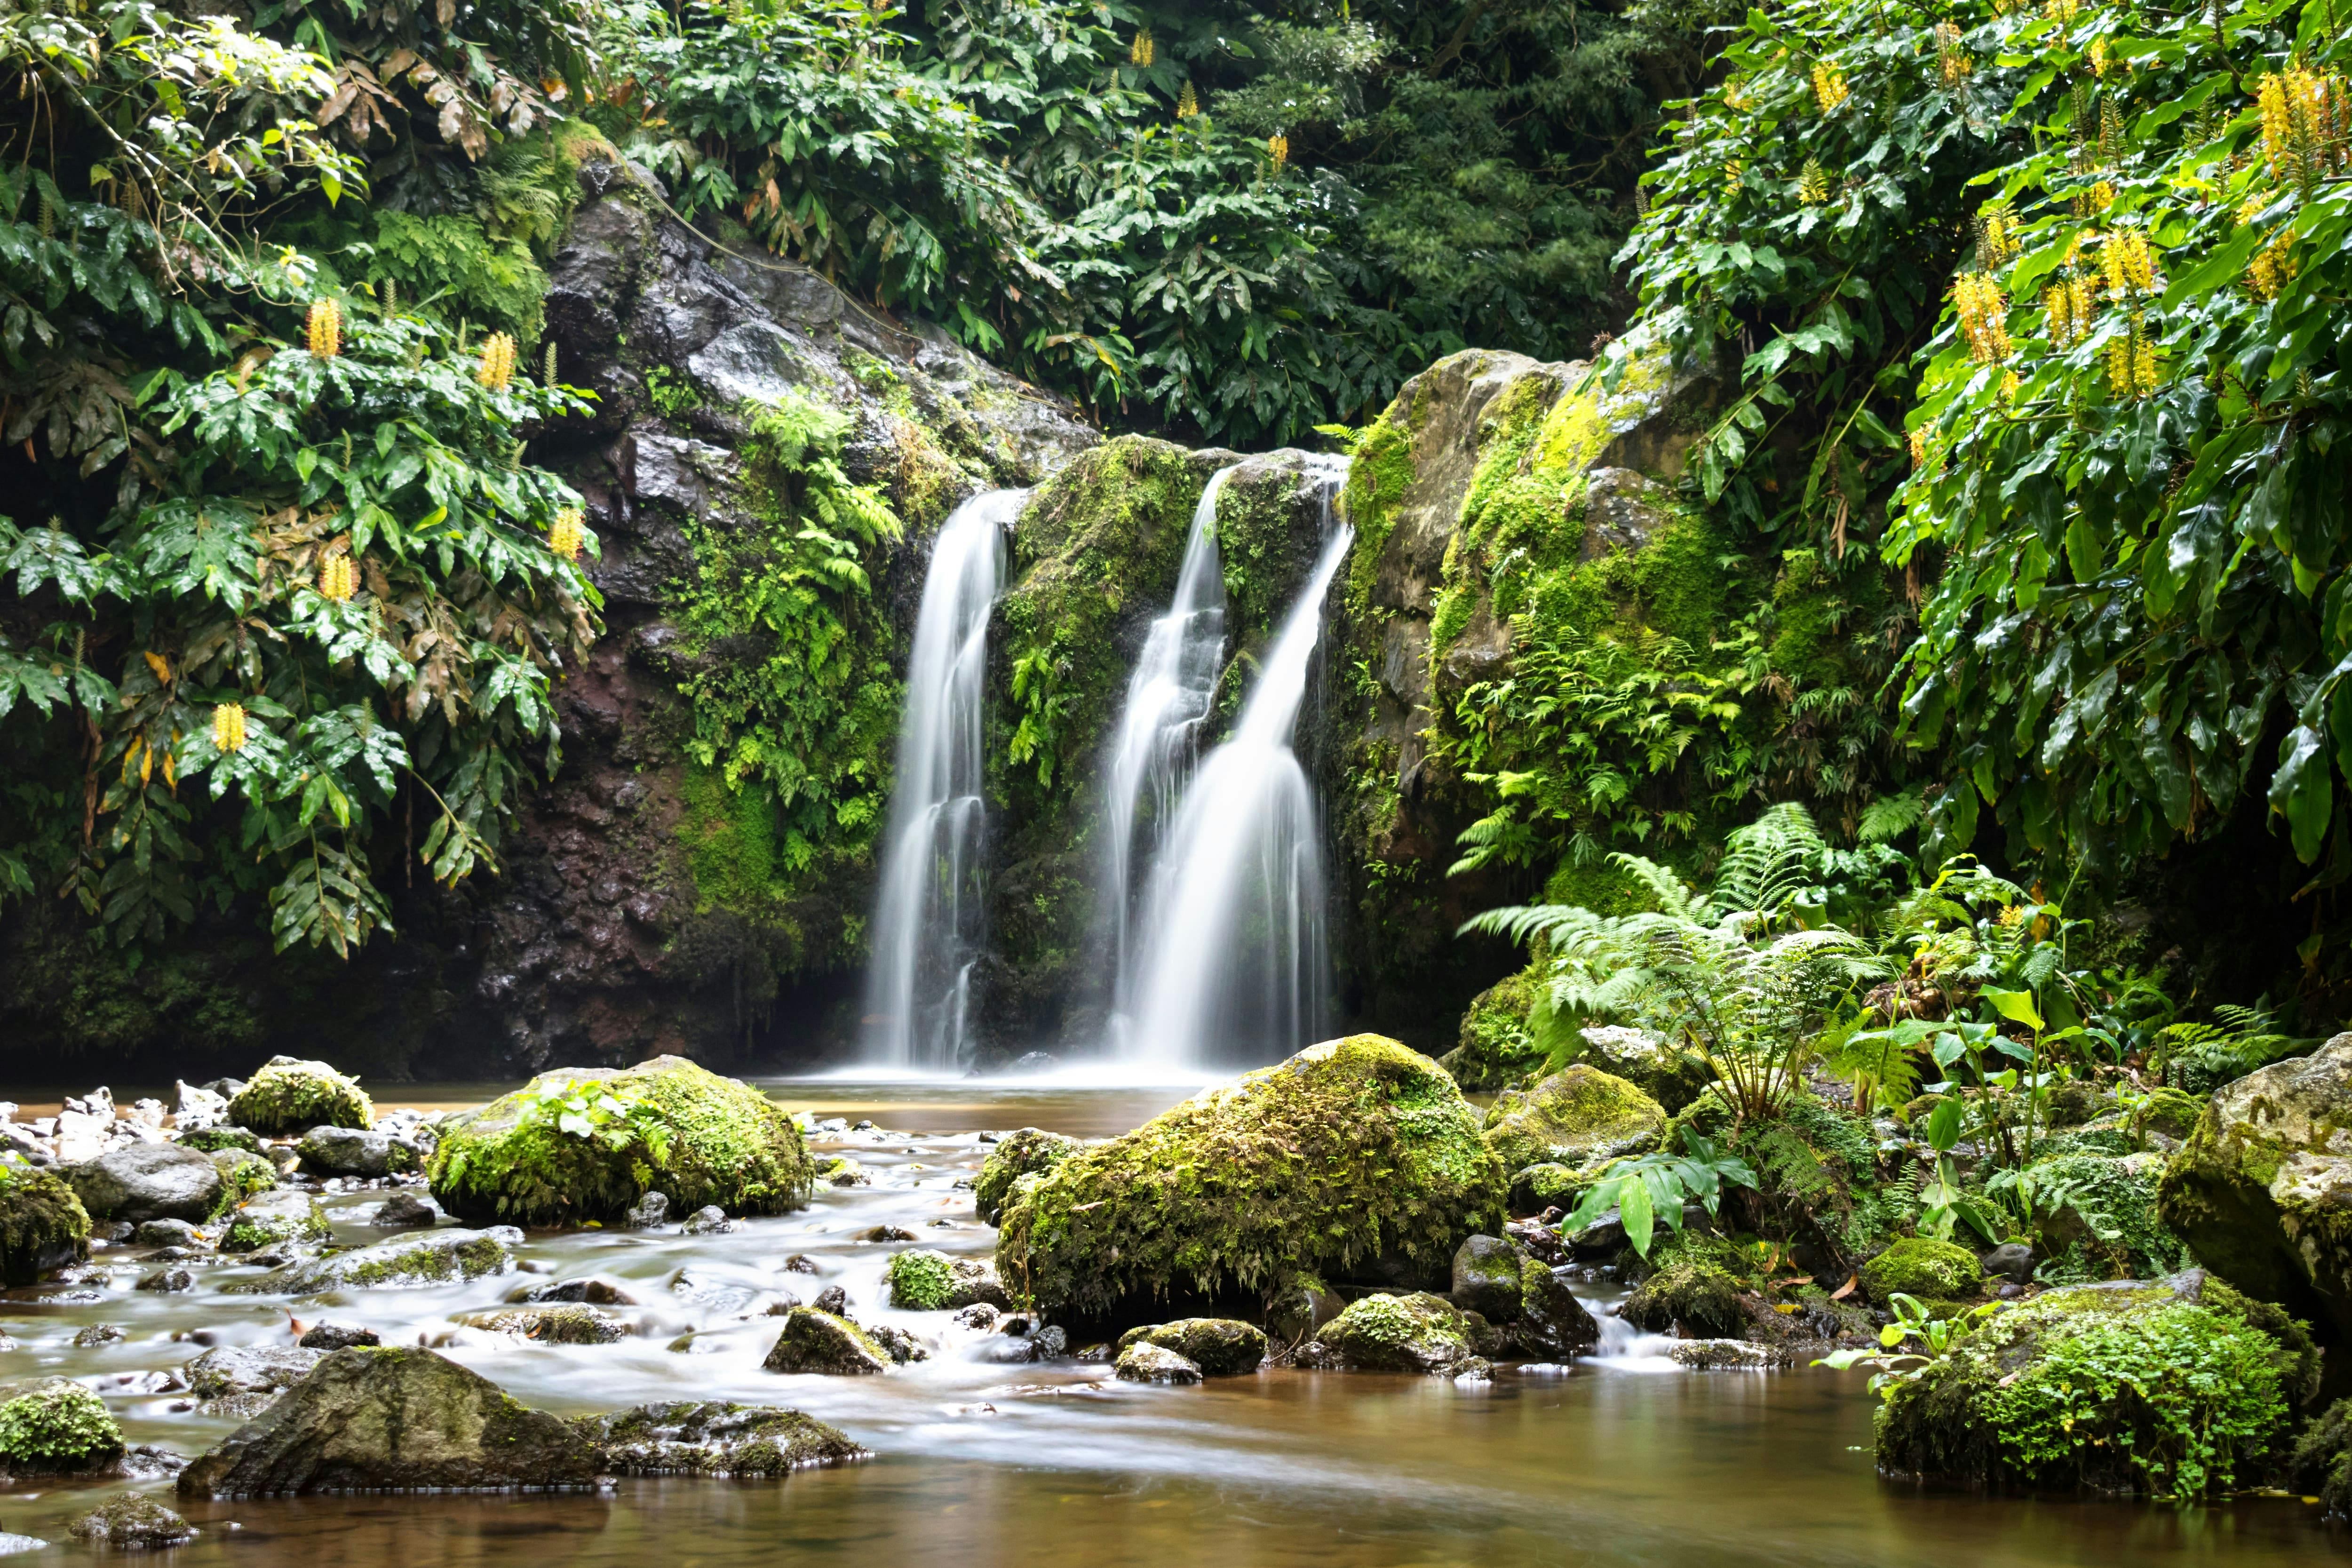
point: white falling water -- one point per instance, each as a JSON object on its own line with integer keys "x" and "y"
{"x": 928, "y": 924}
{"x": 1168, "y": 698}
{"x": 1233, "y": 962}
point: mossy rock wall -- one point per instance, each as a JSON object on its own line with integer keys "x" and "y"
{"x": 1356, "y": 1158}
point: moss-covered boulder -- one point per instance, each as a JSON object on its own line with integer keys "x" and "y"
{"x": 2164, "y": 1112}
{"x": 411, "y": 1263}
{"x": 1354, "y": 1154}
{"x": 826, "y": 1343}
{"x": 1220, "y": 1347}
{"x": 42, "y": 1223}
{"x": 1670, "y": 1074}
{"x": 1495, "y": 1048}
{"x": 1143, "y": 1361}
{"x": 133, "y": 1523}
{"x": 288, "y": 1097}
{"x": 1418, "y": 1333}
{"x": 1486, "y": 1279}
{"x": 394, "y": 1419}
{"x": 1922, "y": 1266}
{"x": 2262, "y": 1190}
{"x": 55, "y": 1426}
{"x": 1573, "y": 1118}
{"x": 216, "y": 1139}
{"x": 714, "y": 1438}
{"x": 2100, "y": 1219}
{"x": 1031, "y": 1152}
{"x": 269, "y": 1218}
{"x": 2181, "y": 1388}
{"x": 923, "y": 1280}
{"x": 1698, "y": 1298}
{"x": 585, "y": 1143}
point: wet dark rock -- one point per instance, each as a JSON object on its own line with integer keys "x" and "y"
{"x": 2012, "y": 1261}
{"x": 168, "y": 1232}
{"x": 1217, "y": 1347}
{"x": 382, "y": 1419}
{"x": 883, "y": 1233}
{"x": 1143, "y": 1361}
{"x": 593, "y": 1290}
{"x": 405, "y": 1211}
{"x": 716, "y": 1439}
{"x": 411, "y": 1262}
{"x": 832, "y": 1299}
{"x": 978, "y": 1315}
{"x": 169, "y": 1281}
{"x": 1486, "y": 1277}
{"x": 709, "y": 1220}
{"x": 133, "y": 1523}
{"x": 242, "y": 1380}
{"x": 136, "y": 1182}
{"x": 1540, "y": 1240}
{"x": 896, "y": 1343}
{"x": 148, "y": 1462}
{"x": 651, "y": 1210}
{"x": 336, "y": 1337}
{"x": 570, "y": 1323}
{"x": 1552, "y": 1324}
{"x": 800, "y": 1263}
{"x": 348, "y": 1152}
{"x": 99, "y": 1334}
{"x": 816, "y": 1340}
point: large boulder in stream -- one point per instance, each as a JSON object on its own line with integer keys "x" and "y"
{"x": 139, "y": 1182}
{"x": 1572, "y": 1118}
{"x": 1417, "y": 1332}
{"x": 290, "y": 1096}
{"x": 387, "y": 1419}
{"x": 1356, "y": 1158}
{"x": 586, "y": 1143}
{"x": 55, "y": 1426}
{"x": 42, "y": 1223}
{"x": 2262, "y": 1190}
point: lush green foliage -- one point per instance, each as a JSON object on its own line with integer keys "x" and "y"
{"x": 1644, "y": 1187}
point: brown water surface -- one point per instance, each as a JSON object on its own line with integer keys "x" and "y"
{"x": 982, "y": 1464}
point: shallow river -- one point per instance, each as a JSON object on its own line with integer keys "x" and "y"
{"x": 981, "y": 1464}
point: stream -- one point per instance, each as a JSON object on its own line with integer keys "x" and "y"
{"x": 1610, "y": 1461}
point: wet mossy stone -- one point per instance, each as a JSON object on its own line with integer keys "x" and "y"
{"x": 1354, "y": 1155}
{"x": 1672, "y": 1074}
{"x": 1548, "y": 1185}
{"x": 2162, "y": 1387}
{"x": 714, "y": 1438}
{"x": 923, "y": 1280}
{"x": 133, "y": 1523}
{"x": 1553, "y": 1323}
{"x": 2101, "y": 1220}
{"x": 1922, "y": 1266}
{"x": 1143, "y": 1361}
{"x": 394, "y": 1419}
{"x": 288, "y": 1097}
{"x": 1573, "y": 1118}
{"x": 1032, "y": 1152}
{"x": 1698, "y": 1298}
{"x": 139, "y": 1182}
{"x": 243, "y": 1177}
{"x": 826, "y": 1343}
{"x": 242, "y": 1380}
{"x": 411, "y": 1263}
{"x": 1220, "y": 1347}
{"x": 2165, "y": 1111}
{"x": 1486, "y": 1279}
{"x": 585, "y": 1143}
{"x": 42, "y": 1223}
{"x": 215, "y": 1139}
{"x": 1495, "y": 1048}
{"x": 1417, "y": 1332}
{"x": 269, "y": 1218}
{"x": 348, "y": 1152}
{"x": 2262, "y": 1190}
{"x": 562, "y": 1323}
{"x": 55, "y": 1426}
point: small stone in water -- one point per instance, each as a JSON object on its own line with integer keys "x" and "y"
{"x": 98, "y": 1334}
{"x": 800, "y": 1263}
{"x": 168, "y": 1281}
{"x": 404, "y": 1211}
{"x": 133, "y": 1523}
{"x": 168, "y": 1233}
{"x": 883, "y": 1233}
{"x": 978, "y": 1315}
{"x": 651, "y": 1210}
{"x": 832, "y": 1299}
{"x": 709, "y": 1220}
{"x": 336, "y": 1337}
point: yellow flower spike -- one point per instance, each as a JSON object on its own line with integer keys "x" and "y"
{"x": 498, "y": 362}
{"x": 1278, "y": 147}
{"x": 2010, "y": 384}
{"x": 1188, "y": 102}
{"x": 339, "y": 579}
{"x": 1982, "y": 305}
{"x": 229, "y": 727}
{"x": 1919, "y": 448}
{"x": 326, "y": 328}
{"x": 2144, "y": 367}
{"x": 564, "y": 535}
{"x": 1829, "y": 88}
{"x": 2103, "y": 196}
{"x": 1951, "y": 59}
{"x": 1142, "y": 51}
{"x": 1812, "y": 183}
{"x": 2272, "y": 269}
{"x": 2254, "y": 207}
{"x": 2099, "y": 57}
{"x": 2119, "y": 369}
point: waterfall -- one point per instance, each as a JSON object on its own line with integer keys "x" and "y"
{"x": 1233, "y": 965}
{"x": 928, "y": 921}
{"x": 1168, "y": 698}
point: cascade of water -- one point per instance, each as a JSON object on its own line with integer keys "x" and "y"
{"x": 927, "y": 918}
{"x": 1167, "y": 697}
{"x": 1233, "y": 962}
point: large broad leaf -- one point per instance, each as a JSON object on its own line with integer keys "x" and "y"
{"x": 2015, "y": 1006}
{"x": 1634, "y": 1209}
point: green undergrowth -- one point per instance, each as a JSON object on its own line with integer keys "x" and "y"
{"x": 42, "y": 1223}
{"x": 56, "y": 1425}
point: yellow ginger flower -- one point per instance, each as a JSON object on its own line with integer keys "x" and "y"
{"x": 2304, "y": 122}
{"x": 1919, "y": 448}
{"x": 2010, "y": 384}
{"x": 1142, "y": 51}
{"x": 2126, "y": 264}
{"x": 1278, "y": 147}
{"x": 2144, "y": 367}
{"x": 1812, "y": 183}
{"x": 2119, "y": 369}
{"x": 229, "y": 727}
{"x": 339, "y": 578}
{"x": 1736, "y": 96}
{"x": 1188, "y": 103}
{"x": 1951, "y": 59}
{"x": 2255, "y": 206}
{"x": 2272, "y": 269}
{"x": 2061, "y": 10}
{"x": 564, "y": 536}
{"x": 1731, "y": 172}
{"x": 1996, "y": 234}
{"x": 2103, "y": 196}
{"x": 2069, "y": 308}
{"x": 326, "y": 325}
{"x": 1829, "y": 88}
{"x": 498, "y": 362}
{"x": 1983, "y": 307}
{"x": 2098, "y": 56}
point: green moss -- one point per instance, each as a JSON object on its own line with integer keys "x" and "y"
{"x": 287, "y": 1096}
{"x": 1351, "y": 1151}
{"x": 42, "y": 1223}
{"x": 920, "y": 1281}
{"x": 1030, "y": 1151}
{"x": 2165, "y": 1111}
{"x": 1572, "y": 1118}
{"x": 1220, "y": 1347}
{"x": 1495, "y": 1048}
{"x": 730, "y": 846}
{"x": 1701, "y": 1298}
{"x": 2101, "y": 1219}
{"x": 242, "y": 1176}
{"x": 1377, "y": 481}
{"x": 252, "y": 1233}
{"x": 1922, "y": 1266}
{"x": 213, "y": 1139}
{"x": 56, "y": 1426}
{"x": 400, "y": 1264}
{"x": 1419, "y": 1332}
{"x": 587, "y": 1143}
{"x": 2105, "y": 1388}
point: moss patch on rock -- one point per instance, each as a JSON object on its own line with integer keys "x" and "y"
{"x": 1220, "y": 1347}
{"x": 288, "y": 1096}
{"x": 714, "y": 1438}
{"x": 1573, "y": 1118}
{"x": 1352, "y": 1151}
{"x": 54, "y": 1425}
{"x": 826, "y": 1343}
{"x": 1495, "y": 1048}
{"x": 42, "y": 1223}
{"x": 1031, "y": 1152}
{"x": 1701, "y": 1298}
{"x": 585, "y": 1143}
{"x": 922, "y": 1280}
{"x": 1922, "y": 1266}
{"x": 2162, "y": 1388}
{"x": 2102, "y": 1220}
{"x": 1418, "y": 1333}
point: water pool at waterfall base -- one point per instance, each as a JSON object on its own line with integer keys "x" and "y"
{"x": 1606, "y": 1460}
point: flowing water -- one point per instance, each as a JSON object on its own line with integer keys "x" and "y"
{"x": 1235, "y": 963}
{"x": 927, "y": 920}
{"x": 983, "y": 1464}
{"x": 1167, "y": 697}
